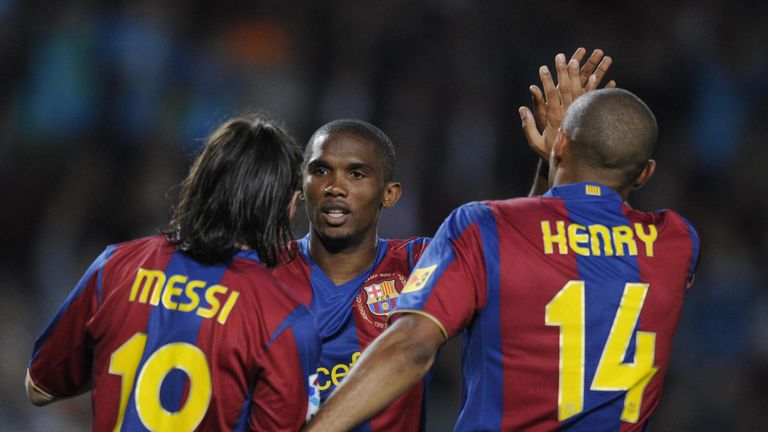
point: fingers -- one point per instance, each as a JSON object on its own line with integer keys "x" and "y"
{"x": 535, "y": 139}
{"x": 591, "y": 83}
{"x": 578, "y": 55}
{"x": 550, "y": 91}
{"x": 611, "y": 84}
{"x": 602, "y": 69}
{"x": 574, "y": 80}
{"x": 539, "y": 105}
{"x": 591, "y": 65}
{"x": 563, "y": 80}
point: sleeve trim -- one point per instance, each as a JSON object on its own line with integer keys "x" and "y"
{"x": 37, "y": 388}
{"x": 424, "y": 314}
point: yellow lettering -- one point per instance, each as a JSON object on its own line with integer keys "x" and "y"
{"x": 649, "y": 238}
{"x": 321, "y": 371}
{"x": 228, "y": 307}
{"x": 171, "y": 290}
{"x": 601, "y": 231}
{"x": 575, "y": 238}
{"x": 213, "y": 301}
{"x": 623, "y": 235}
{"x": 355, "y": 356}
{"x": 194, "y": 298}
{"x": 549, "y": 239}
{"x": 152, "y": 280}
{"x": 337, "y": 376}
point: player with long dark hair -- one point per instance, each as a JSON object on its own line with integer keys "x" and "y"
{"x": 187, "y": 330}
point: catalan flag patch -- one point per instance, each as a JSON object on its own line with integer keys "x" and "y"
{"x": 593, "y": 190}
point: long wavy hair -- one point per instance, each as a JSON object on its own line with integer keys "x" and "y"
{"x": 238, "y": 192}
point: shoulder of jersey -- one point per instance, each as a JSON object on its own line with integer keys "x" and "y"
{"x": 401, "y": 244}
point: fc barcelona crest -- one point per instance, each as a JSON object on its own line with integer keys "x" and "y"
{"x": 381, "y": 297}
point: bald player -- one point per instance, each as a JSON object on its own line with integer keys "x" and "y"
{"x": 567, "y": 302}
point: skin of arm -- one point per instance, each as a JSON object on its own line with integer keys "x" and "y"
{"x": 540, "y": 179}
{"x": 394, "y": 362}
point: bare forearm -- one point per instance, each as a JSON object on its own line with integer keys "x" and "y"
{"x": 388, "y": 367}
{"x": 540, "y": 180}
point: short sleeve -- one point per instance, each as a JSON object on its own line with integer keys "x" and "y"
{"x": 448, "y": 284}
{"x": 61, "y": 360}
{"x": 695, "y": 252}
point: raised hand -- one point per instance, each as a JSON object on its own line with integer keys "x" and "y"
{"x": 550, "y": 105}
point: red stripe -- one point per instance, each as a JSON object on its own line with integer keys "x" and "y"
{"x": 531, "y": 349}
{"x": 665, "y": 273}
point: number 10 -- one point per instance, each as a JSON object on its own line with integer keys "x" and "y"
{"x": 566, "y": 310}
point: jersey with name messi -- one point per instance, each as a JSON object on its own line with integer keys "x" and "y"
{"x": 568, "y": 303}
{"x": 172, "y": 344}
{"x": 351, "y": 315}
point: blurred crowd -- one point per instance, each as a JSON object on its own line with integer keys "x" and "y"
{"x": 103, "y": 104}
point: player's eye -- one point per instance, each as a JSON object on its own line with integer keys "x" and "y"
{"x": 320, "y": 171}
{"x": 357, "y": 174}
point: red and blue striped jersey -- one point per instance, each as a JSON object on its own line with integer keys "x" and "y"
{"x": 351, "y": 315}
{"x": 568, "y": 305}
{"x": 171, "y": 344}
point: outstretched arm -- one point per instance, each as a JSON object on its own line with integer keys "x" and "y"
{"x": 550, "y": 105}
{"x": 394, "y": 362}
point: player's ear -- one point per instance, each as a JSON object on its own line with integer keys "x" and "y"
{"x": 645, "y": 174}
{"x": 559, "y": 147}
{"x": 391, "y": 194}
{"x": 292, "y": 205}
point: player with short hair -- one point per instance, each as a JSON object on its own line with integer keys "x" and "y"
{"x": 349, "y": 276}
{"x": 187, "y": 330}
{"x": 568, "y": 302}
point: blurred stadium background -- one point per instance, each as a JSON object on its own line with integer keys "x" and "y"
{"x": 103, "y": 103}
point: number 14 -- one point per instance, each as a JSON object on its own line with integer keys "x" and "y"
{"x": 612, "y": 373}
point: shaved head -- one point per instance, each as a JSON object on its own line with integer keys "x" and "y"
{"x": 384, "y": 147}
{"x": 612, "y": 132}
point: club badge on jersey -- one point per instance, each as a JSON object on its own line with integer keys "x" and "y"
{"x": 382, "y": 297}
{"x": 379, "y": 296}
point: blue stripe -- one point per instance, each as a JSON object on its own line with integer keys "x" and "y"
{"x": 410, "y": 256}
{"x": 605, "y": 278}
{"x": 696, "y": 248}
{"x": 440, "y": 252}
{"x": 167, "y": 326}
{"x": 331, "y": 306}
{"x": 107, "y": 254}
{"x": 245, "y": 410}
{"x": 97, "y": 266}
{"x": 482, "y": 349}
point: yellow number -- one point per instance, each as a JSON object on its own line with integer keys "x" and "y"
{"x": 178, "y": 355}
{"x": 566, "y": 310}
{"x": 612, "y": 373}
{"x": 124, "y": 362}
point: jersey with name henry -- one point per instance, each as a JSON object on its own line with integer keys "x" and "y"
{"x": 568, "y": 303}
{"x": 172, "y": 344}
{"x": 351, "y": 315}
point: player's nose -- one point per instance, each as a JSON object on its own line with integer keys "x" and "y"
{"x": 334, "y": 189}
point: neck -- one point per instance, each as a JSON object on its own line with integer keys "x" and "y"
{"x": 343, "y": 261}
{"x": 569, "y": 175}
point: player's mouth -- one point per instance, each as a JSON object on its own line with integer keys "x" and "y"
{"x": 334, "y": 213}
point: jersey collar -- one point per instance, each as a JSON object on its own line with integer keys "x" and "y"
{"x": 584, "y": 190}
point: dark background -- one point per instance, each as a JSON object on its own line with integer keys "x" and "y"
{"x": 102, "y": 105}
